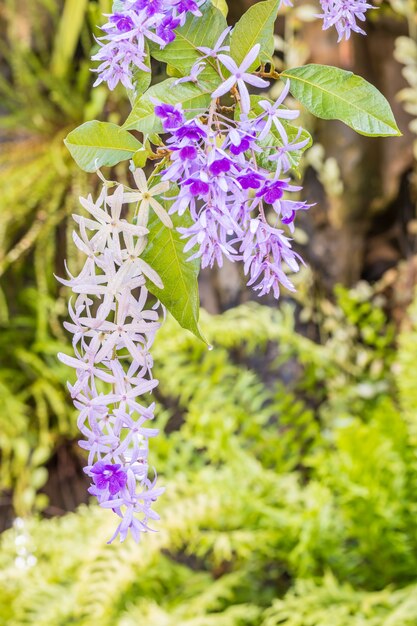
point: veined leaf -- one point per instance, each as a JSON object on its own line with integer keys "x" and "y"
{"x": 193, "y": 97}
{"x": 182, "y": 53}
{"x": 255, "y": 26}
{"x": 141, "y": 79}
{"x": 334, "y": 94}
{"x": 222, "y": 6}
{"x": 165, "y": 254}
{"x": 95, "y": 144}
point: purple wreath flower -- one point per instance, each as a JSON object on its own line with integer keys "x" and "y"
{"x": 218, "y": 46}
{"x": 124, "y": 44}
{"x": 124, "y": 23}
{"x": 240, "y": 76}
{"x": 152, "y": 7}
{"x": 165, "y": 30}
{"x": 172, "y": 116}
{"x": 343, "y": 15}
{"x": 109, "y": 476}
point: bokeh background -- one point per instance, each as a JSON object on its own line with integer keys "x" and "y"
{"x": 289, "y": 452}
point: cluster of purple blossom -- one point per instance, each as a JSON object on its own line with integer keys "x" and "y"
{"x": 124, "y": 47}
{"x": 231, "y": 173}
{"x": 112, "y": 334}
{"x": 342, "y": 14}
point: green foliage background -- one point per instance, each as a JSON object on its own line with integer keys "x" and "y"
{"x": 286, "y": 504}
{"x": 289, "y": 463}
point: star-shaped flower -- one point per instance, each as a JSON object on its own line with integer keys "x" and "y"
{"x": 240, "y": 76}
{"x": 146, "y": 197}
{"x": 218, "y": 46}
{"x": 275, "y": 112}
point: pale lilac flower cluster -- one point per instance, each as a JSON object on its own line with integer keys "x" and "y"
{"x": 123, "y": 48}
{"x": 232, "y": 175}
{"x": 342, "y": 14}
{"x": 113, "y": 331}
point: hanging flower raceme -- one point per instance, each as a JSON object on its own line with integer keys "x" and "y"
{"x": 124, "y": 46}
{"x": 113, "y": 331}
{"x": 222, "y": 172}
{"x": 232, "y": 176}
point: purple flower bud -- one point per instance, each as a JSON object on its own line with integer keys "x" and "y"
{"x": 166, "y": 29}
{"x": 152, "y": 6}
{"x": 172, "y": 116}
{"x": 198, "y": 187}
{"x": 273, "y": 191}
{"x": 107, "y": 476}
{"x": 124, "y": 23}
{"x": 244, "y": 145}
{"x": 220, "y": 167}
{"x": 250, "y": 180}
{"x": 190, "y": 131}
{"x": 183, "y": 6}
{"x": 188, "y": 153}
{"x": 289, "y": 218}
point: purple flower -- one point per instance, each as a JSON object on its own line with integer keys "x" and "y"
{"x": 172, "y": 116}
{"x": 250, "y": 180}
{"x": 218, "y": 46}
{"x": 220, "y": 166}
{"x": 225, "y": 175}
{"x": 240, "y": 76}
{"x": 107, "y": 476}
{"x": 188, "y": 153}
{"x": 150, "y": 6}
{"x": 343, "y": 15}
{"x": 265, "y": 250}
{"x": 185, "y": 6}
{"x": 195, "y": 72}
{"x": 273, "y": 191}
{"x": 191, "y": 131}
{"x": 243, "y": 145}
{"x": 198, "y": 187}
{"x": 282, "y": 153}
{"x": 116, "y": 61}
{"x": 208, "y": 234}
{"x": 123, "y": 23}
{"x": 166, "y": 28}
{"x": 273, "y": 114}
{"x": 123, "y": 47}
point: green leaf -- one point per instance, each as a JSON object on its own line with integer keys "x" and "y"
{"x": 141, "y": 79}
{"x": 222, "y": 6}
{"x": 193, "y": 97}
{"x": 182, "y": 53}
{"x": 172, "y": 72}
{"x": 95, "y": 144}
{"x": 165, "y": 254}
{"x": 334, "y": 94}
{"x": 255, "y": 26}
{"x": 140, "y": 157}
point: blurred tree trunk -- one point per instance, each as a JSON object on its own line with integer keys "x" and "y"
{"x": 344, "y": 245}
{"x": 359, "y": 233}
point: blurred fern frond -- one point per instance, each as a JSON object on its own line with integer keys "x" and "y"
{"x": 45, "y": 91}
